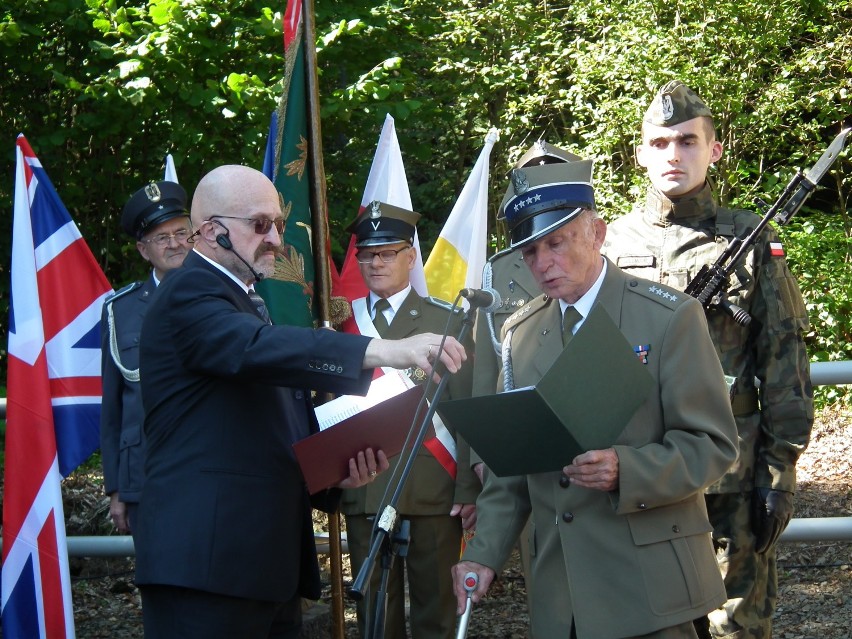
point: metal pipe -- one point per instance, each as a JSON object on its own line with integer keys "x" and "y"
{"x": 822, "y": 374}
{"x": 800, "y": 530}
{"x": 122, "y": 545}
{"x": 818, "y": 529}
{"x": 831, "y": 373}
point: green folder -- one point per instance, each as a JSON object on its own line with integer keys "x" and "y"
{"x": 583, "y": 402}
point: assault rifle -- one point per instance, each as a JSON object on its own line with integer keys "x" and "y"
{"x": 710, "y": 283}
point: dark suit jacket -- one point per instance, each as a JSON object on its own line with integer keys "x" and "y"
{"x": 122, "y": 442}
{"x": 224, "y": 508}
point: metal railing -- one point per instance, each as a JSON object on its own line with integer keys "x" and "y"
{"x": 799, "y": 530}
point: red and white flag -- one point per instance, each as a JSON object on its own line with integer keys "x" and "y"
{"x": 53, "y": 403}
{"x": 386, "y": 183}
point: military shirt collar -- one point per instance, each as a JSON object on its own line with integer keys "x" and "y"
{"x": 688, "y": 211}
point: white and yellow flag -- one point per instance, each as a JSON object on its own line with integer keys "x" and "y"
{"x": 458, "y": 256}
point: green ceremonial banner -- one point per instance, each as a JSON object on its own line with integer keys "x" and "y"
{"x": 289, "y": 293}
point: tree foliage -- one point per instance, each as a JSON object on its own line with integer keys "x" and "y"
{"x": 104, "y": 89}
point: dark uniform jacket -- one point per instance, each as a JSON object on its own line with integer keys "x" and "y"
{"x": 122, "y": 439}
{"x": 224, "y": 508}
{"x": 640, "y": 558}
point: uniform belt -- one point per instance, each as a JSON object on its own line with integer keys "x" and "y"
{"x": 745, "y": 403}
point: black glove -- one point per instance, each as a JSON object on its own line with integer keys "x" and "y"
{"x": 771, "y": 511}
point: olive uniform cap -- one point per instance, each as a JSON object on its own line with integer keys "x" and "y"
{"x": 152, "y": 205}
{"x": 540, "y": 154}
{"x": 675, "y": 103}
{"x": 543, "y": 153}
{"x": 540, "y": 199}
{"x": 381, "y": 223}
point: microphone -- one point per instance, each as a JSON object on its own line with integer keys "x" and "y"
{"x": 485, "y": 298}
{"x": 225, "y": 242}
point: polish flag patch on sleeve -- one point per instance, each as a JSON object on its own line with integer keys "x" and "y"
{"x": 776, "y": 249}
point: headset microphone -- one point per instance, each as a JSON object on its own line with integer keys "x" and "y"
{"x": 225, "y": 242}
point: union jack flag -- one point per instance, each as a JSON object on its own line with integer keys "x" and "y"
{"x": 54, "y": 395}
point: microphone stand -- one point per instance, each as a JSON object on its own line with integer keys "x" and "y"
{"x": 390, "y": 534}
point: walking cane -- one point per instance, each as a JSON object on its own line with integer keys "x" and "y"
{"x": 471, "y": 581}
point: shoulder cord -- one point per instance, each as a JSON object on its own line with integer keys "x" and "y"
{"x": 129, "y": 375}
{"x": 487, "y": 280}
{"x": 506, "y": 355}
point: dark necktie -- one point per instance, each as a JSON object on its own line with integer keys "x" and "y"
{"x": 569, "y": 320}
{"x": 260, "y": 306}
{"x": 379, "y": 320}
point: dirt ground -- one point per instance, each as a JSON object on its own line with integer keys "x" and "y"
{"x": 815, "y": 599}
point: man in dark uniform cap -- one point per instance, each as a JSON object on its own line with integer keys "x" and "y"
{"x": 607, "y": 512}
{"x": 506, "y": 273}
{"x": 668, "y": 238}
{"x": 156, "y": 217}
{"x": 437, "y": 504}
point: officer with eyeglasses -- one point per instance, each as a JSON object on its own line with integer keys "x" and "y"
{"x": 437, "y": 504}
{"x": 156, "y": 216}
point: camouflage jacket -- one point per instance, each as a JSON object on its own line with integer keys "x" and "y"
{"x": 668, "y": 242}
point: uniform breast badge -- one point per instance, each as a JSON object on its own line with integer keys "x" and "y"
{"x": 642, "y": 352}
{"x": 417, "y": 374}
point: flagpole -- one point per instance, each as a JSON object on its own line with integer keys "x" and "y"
{"x": 322, "y": 277}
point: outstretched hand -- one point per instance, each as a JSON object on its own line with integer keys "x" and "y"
{"x": 420, "y": 350}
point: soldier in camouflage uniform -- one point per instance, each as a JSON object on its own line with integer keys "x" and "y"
{"x": 668, "y": 238}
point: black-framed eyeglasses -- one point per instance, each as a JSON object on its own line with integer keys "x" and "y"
{"x": 261, "y": 224}
{"x": 386, "y": 256}
{"x": 163, "y": 239}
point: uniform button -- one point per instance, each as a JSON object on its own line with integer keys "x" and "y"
{"x": 567, "y": 517}
{"x": 633, "y": 283}
{"x": 325, "y": 366}
{"x": 298, "y": 394}
{"x": 675, "y": 528}
{"x": 642, "y": 506}
{"x": 564, "y": 481}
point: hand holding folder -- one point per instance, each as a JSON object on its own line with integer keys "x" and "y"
{"x": 583, "y": 402}
{"x": 324, "y": 456}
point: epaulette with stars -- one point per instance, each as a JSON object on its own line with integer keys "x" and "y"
{"x": 526, "y": 311}
{"x": 665, "y": 295}
{"x": 122, "y": 292}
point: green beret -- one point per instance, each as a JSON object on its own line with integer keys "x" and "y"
{"x": 675, "y": 103}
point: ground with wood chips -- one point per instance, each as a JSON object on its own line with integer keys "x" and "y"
{"x": 815, "y": 583}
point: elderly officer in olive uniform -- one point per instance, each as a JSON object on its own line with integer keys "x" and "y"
{"x": 506, "y": 273}
{"x": 621, "y": 535}
{"x": 667, "y": 238}
{"x": 156, "y": 217}
{"x": 437, "y": 505}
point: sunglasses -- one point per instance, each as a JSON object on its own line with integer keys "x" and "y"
{"x": 261, "y": 224}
